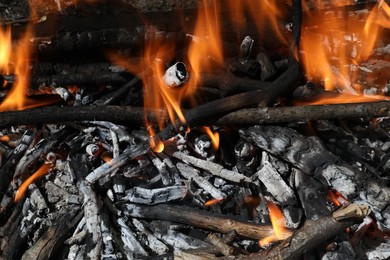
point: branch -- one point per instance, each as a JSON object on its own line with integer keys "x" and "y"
{"x": 305, "y": 113}
{"x": 314, "y": 233}
{"x": 199, "y": 218}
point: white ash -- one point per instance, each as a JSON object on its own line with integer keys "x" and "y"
{"x": 203, "y": 146}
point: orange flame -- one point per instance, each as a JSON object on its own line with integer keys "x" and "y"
{"x": 334, "y": 48}
{"x": 16, "y": 98}
{"x": 271, "y": 15}
{"x": 42, "y": 171}
{"x": 206, "y": 47}
{"x": 203, "y": 51}
{"x": 278, "y": 223}
{"x": 5, "y": 50}
{"x": 214, "y": 137}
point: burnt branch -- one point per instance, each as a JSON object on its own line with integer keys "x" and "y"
{"x": 136, "y": 115}
{"x": 314, "y": 233}
{"x": 273, "y": 115}
{"x": 199, "y": 218}
{"x": 74, "y": 79}
{"x": 53, "y": 239}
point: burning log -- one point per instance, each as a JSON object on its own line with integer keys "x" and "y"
{"x": 199, "y": 218}
{"x": 314, "y": 233}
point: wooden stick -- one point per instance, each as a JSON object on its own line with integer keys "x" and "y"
{"x": 305, "y": 113}
{"x": 135, "y": 115}
{"x": 199, "y": 218}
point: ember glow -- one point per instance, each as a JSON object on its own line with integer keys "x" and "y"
{"x": 278, "y": 223}
{"x": 337, "y": 198}
{"x": 333, "y": 49}
{"x": 212, "y": 202}
{"x": 42, "y": 171}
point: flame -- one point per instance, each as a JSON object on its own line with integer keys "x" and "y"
{"x": 5, "y": 50}
{"x": 16, "y": 98}
{"x": 203, "y": 51}
{"x": 271, "y": 16}
{"x": 334, "y": 48}
{"x": 278, "y": 223}
{"x": 42, "y": 171}
{"x": 212, "y": 202}
{"x": 205, "y": 47}
{"x": 214, "y": 137}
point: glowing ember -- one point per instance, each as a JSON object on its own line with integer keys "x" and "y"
{"x": 212, "y": 202}
{"x": 106, "y": 157}
{"x": 4, "y": 138}
{"x": 278, "y": 223}
{"x": 337, "y": 198}
{"x": 214, "y": 137}
{"x": 42, "y": 171}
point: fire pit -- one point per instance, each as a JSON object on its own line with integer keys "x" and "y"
{"x": 195, "y": 129}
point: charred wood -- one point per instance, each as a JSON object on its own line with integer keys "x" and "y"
{"x": 8, "y": 167}
{"x": 213, "y": 168}
{"x": 198, "y": 218}
{"x": 273, "y": 115}
{"x": 309, "y": 155}
{"x": 55, "y": 236}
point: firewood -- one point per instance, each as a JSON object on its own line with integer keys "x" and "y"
{"x": 314, "y": 233}
{"x": 128, "y": 155}
{"x": 154, "y": 243}
{"x": 6, "y": 170}
{"x": 55, "y": 236}
{"x": 199, "y": 218}
{"x": 274, "y": 183}
{"x": 312, "y": 194}
{"x": 155, "y": 196}
{"x": 191, "y": 173}
{"x": 213, "y": 168}
{"x": 309, "y": 155}
{"x": 132, "y": 247}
